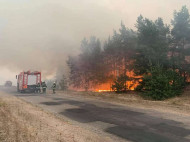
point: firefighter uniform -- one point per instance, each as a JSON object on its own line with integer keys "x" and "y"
{"x": 54, "y": 87}
{"x": 38, "y": 90}
{"x": 44, "y": 86}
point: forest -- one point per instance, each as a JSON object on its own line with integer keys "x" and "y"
{"x": 153, "y": 58}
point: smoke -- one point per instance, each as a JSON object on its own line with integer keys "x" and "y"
{"x": 40, "y": 34}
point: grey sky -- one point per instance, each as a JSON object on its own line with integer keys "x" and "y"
{"x": 40, "y": 34}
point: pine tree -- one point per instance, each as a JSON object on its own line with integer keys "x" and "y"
{"x": 118, "y": 54}
{"x": 87, "y": 69}
{"x": 152, "y": 46}
{"x": 180, "y": 38}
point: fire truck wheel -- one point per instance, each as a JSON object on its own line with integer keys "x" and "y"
{"x": 22, "y": 91}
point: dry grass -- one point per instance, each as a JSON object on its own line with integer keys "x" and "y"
{"x": 22, "y": 122}
{"x": 10, "y": 128}
{"x": 183, "y": 100}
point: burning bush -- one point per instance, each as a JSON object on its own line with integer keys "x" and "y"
{"x": 120, "y": 84}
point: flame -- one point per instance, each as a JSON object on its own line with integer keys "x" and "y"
{"x": 106, "y": 87}
{"x": 131, "y": 84}
{"x": 135, "y": 82}
{"x": 104, "y": 90}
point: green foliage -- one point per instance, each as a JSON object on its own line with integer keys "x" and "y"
{"x": 180, "y": 38}
{"x": 152, "y": 46}
{"x": 181, "y": 24}
{"x": 120, "y": 84}
{"x": 160, "y": 84}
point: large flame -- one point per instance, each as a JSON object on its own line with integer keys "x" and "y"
{"x": 106, "y": 87}
{"x": 131, "y": 84}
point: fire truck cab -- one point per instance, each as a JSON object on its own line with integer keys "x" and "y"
{"x": 28, "y": 81}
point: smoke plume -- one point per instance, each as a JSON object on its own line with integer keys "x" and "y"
{"x": 40, "y": 34}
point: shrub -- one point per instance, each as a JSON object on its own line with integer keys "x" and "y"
{"x": 160, "y": 84}
{"x": 120, "y": 84}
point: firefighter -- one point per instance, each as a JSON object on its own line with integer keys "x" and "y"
{"x": 38, "y": 88}
{"x": 44, "y": 86}
{"x": 54, "y": 87}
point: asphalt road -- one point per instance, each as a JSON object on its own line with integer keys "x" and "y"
{"x": 119, "y": 122}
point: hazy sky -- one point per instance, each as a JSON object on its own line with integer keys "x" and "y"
{"x": 40, "y": 34}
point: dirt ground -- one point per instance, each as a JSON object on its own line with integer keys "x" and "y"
{"x": 179, "y": 105}
{"x": 23, "y": 122}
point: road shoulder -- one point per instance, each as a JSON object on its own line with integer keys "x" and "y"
{"x": 21, "y": 121}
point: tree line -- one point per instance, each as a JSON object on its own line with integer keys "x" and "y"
{"x": 157, "y": 54}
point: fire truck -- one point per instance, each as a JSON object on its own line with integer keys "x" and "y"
{"x": 28, "y": 81}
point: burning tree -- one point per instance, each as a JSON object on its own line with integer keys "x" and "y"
{"x": 152, "y": 56}
{"x": 118, "y": 57}
{"x": 87, "y": 69}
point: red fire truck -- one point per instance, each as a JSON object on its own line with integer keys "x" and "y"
{"x": 28, "y": 81}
